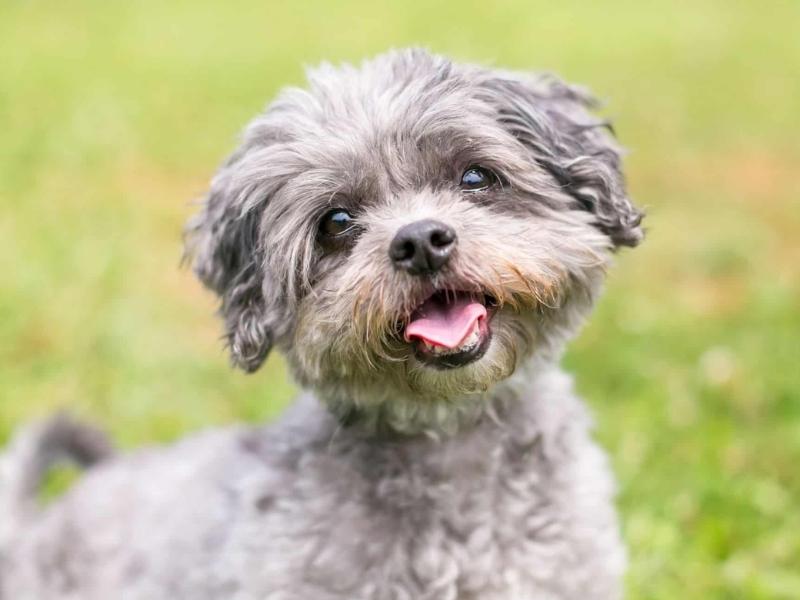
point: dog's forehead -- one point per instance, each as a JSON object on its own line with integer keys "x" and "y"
{"x": 407, "y": 103}
{"x": 408, "y": 84}
{"x": 405, "y": 122}
{"x": 361, "y": 131}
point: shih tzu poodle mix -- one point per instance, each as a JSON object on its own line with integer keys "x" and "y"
{"x": 420, "y": 238}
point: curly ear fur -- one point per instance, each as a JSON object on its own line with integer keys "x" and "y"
{"x": 551, "y": 119}
{"x": 223, "y": 242}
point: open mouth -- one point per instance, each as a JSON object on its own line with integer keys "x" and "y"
{"x": 450, "y": 329}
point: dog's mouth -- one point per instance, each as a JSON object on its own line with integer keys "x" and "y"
{"x": 451, "y": 329}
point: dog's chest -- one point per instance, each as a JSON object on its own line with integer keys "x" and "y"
{"x": 506, "y": 516}
{"x": 484, "y": 524}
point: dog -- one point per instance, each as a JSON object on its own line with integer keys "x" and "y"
{"x": 420, "y": 238}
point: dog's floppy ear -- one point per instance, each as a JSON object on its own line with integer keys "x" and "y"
{"x": 225, "y": 247}
{"x": 552, "y": 120}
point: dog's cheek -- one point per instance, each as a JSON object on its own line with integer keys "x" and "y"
{"x": 521, "y": 261}
{"x": 548, "y": 270}
{"x": 312, "y": 338}
{"x": 326, "y": 341}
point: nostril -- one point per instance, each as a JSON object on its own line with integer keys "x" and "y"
{"x": 402, "y": 250}
{"x": 405, "y": 250}
{"x": 441, "y": 238}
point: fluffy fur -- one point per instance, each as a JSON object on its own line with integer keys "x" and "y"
{"x": 389, "y": 479}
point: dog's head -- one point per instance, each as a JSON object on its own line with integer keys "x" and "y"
{"x": 410, "y": 231}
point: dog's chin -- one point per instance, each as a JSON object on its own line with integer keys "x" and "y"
{"x": 490, "y": 355}
{"x": 417, "y": 388}
{"x": 491, "y": 364}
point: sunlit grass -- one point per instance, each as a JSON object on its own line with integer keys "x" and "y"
{"x": 114, "y": 115}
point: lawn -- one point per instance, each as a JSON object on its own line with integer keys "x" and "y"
{"x": 114, "y": 115}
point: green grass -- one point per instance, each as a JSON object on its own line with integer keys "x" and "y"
{"x": 114, "y": 115}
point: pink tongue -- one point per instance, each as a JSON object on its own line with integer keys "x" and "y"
{"x": 445, "y": 323}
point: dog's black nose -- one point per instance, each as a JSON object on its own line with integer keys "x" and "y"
{"x": 422, "y": 247}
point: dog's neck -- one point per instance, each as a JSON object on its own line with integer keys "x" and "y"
{"x": 398, "y": 418}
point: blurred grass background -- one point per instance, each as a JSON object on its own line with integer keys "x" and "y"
{"x": 114, "y": 115}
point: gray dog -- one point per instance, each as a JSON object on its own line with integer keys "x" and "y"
{"x": 420, "y": 239}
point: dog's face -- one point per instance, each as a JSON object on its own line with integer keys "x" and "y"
{"x": 410, "y": 231}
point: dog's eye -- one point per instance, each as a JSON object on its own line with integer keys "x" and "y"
{"x": 336, "y": 222}
{"x": 477, "y": 178}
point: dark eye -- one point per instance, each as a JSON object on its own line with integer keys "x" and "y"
{"x": 477, "y": 178}
{"x": 336, "y": 222}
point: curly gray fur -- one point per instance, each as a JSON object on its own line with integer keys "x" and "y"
{"x": 388, "y": 480}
